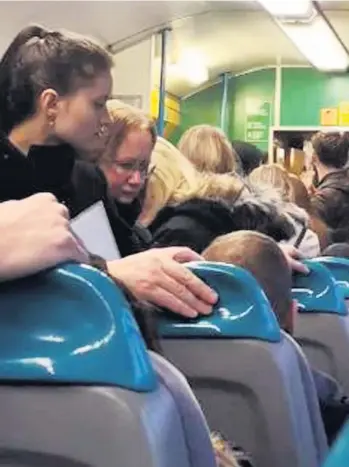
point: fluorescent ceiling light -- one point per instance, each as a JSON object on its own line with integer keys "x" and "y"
{"x": 191, "y": 67}
{"x": 291, "y": 9}
{"x": 318, "y": 43}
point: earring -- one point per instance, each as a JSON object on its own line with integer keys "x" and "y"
{"x": 103, "y": 129}
{"x": 51, "y": 120}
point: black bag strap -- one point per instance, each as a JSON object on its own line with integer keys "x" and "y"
{"x": 301, "y": 236}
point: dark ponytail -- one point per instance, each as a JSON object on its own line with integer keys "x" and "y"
{"x": 38, "y": 59}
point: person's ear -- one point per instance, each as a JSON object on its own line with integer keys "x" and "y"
{"x": 48, "y": 105}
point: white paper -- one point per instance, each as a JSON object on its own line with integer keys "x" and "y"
{"x": 93, "y": 228}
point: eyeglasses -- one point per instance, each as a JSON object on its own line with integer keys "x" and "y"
{"x": 132, "y": 167}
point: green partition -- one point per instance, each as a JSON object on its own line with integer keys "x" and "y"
{"x": 305, "y": 91}
{"x": 257, "y": 87}
{"x": 202, "y": 107}
{"x": 205, "y": 106}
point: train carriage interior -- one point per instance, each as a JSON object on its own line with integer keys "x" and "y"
{"x": 174, "y": 233}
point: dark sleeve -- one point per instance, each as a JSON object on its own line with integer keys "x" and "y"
{"x": 182, "y": 231}
{"x": 98, "y": 263}
{"x": 323, "y": 203}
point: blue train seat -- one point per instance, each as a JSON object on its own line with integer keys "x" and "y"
{"x": 339, "y": 454}
{"x": 239, "y": 363}
{"x": 322, "y": 324}
{"x": 339, "y": 268}
{"x": 77, "y": 385}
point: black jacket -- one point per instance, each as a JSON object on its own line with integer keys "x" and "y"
{"x": 196, "y": 223}
{"x": 331, "y": 203}
{"x": 77, "y": 184}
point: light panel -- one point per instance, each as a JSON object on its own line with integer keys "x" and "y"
{"x": 289, "y": 9}
{"x": 191, "y": 67}
{"x": 318, "y": 43}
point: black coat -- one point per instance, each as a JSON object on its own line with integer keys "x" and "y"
{"x": 196, "y": 223}
{"x": 331, "y": 203}
{"x": 77, "y": 184}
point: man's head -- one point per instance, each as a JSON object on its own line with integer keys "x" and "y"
{"x": 330, "y": 150}
{"x": 262, "y": 257}
{"x": 340, "y": 250}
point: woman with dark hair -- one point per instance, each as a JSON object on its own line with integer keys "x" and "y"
{"x": 250, "y": 157}
{"x": 53, "y": 92}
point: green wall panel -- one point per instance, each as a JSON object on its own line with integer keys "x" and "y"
{"x": 203, "y": 107}
{"x": 305, "y": 91}
{"x": 259, "y": 86}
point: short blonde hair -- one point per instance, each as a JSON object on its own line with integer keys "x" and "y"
{"x": 173, "y": 179}
{"x": 124, "y": 118}
{"x": 208, "y": 149}
{"x": 275, "y": 176}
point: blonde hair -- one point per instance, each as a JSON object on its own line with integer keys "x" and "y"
{"x": 173, "y": 179}
{"x": 124, "y": 118}
{"x": 208, "y": 149}
{"x": 275, "y": 176}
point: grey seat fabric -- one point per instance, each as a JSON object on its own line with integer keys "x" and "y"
{"x": 196, "y": 431}
{"x": 253, "y": 393}
{"x": 90, "y": 426}
{"x": 77, "y": 386}
{"x": 322, "y": 324}
{"x": 325, "y": 341}
{"x": 312, "y": 400}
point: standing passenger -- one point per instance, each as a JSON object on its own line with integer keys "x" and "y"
{"x": 124, "y": 160}
{"x": 208, "y": 148}
{"x": 53, "y": 92}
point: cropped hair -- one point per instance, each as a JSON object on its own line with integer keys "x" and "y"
{"x": 331, "y": 148}
{"x": 263, "y": 258}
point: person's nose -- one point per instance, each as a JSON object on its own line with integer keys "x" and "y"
{"x": 136, "y": 178}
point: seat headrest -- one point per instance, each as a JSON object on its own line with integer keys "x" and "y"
{"x": 71, "y": 325}
{"x": 339, "y": 268}
{"x": 243, "y": 310}
{"x": 339, "y": 454}
{"x": 317, "y": 292}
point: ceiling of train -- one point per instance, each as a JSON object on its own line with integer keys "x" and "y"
{"x": 235, "y": 35}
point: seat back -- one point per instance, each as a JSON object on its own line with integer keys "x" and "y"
{"x": 77, "y": 387}
{"x": 339, "y": 268}
{"x": 239, "y": 363}
{"x": 194, "y": 423}
{"x": 322, "y": 324}
{"x": 312, "y": 399}
{"x": 339, "y": 454}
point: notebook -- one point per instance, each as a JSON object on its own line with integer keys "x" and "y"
{"x": 93, "y": 228}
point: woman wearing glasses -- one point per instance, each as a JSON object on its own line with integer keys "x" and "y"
{"x": 130, "y": 137}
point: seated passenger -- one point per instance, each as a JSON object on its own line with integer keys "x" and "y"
{"x": 261, "y": 256}
{"x": 330, "y": 200}
{"x": 35, "y": 235}
{"x": 189, "y": 208}
{"x": 340, "y": 250}
{"x": 275, "y": 177}
{"x": 208, "y": 149}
